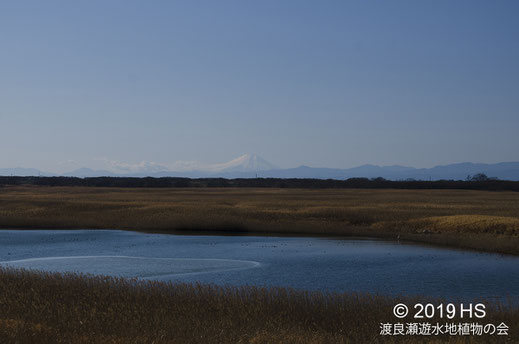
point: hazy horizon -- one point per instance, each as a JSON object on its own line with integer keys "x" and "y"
{"x": 122, "y": 167}
{"x": 324, "y": 84}
{"x": 248, "y": 164}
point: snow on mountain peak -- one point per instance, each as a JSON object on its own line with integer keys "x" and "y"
{"x": 244, "y": 163}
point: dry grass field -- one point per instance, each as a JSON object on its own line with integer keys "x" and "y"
{"x": 481, "y": 220}
{"x": 54, "y": 308}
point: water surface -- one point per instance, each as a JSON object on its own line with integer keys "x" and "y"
{"x": 308, "y": 263}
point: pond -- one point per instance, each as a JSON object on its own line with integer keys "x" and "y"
{"x": 330, "y": 264}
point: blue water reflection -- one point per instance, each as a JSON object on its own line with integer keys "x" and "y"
{"x": 307, "y": 263}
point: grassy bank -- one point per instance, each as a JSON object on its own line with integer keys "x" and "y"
{"x": 483, "y": 220}
{"x": 54, "y": 308}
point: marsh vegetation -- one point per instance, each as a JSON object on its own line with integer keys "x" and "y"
{"x": 37, "y": 307}
{"x": 56, "y": 308}
{"x": 485, "y": 220}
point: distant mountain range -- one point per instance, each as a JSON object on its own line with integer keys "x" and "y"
{"x": 20, "y": 171}
{"x": 252, "y": 165}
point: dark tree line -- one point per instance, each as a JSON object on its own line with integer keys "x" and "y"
{"x": 173, "y": 182}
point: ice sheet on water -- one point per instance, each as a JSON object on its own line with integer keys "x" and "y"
{"x": 127, "y": 266}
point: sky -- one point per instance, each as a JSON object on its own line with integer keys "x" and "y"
{"x": 320, "y": 83}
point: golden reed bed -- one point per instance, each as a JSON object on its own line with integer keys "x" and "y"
{"x": 482, "y": 220}
{"x": 55, "y": 308}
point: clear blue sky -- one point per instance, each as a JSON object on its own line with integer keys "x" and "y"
{"x": 321, "y": 83}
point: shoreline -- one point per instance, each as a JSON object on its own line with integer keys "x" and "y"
{"x": 463, "y": 219}
{"x": 435, "y": 240}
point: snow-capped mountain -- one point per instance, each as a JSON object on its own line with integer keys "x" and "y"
{"x": 244, "y": 163}
{"x": 252, "y": 166}
{"x": 248, "y": 164}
